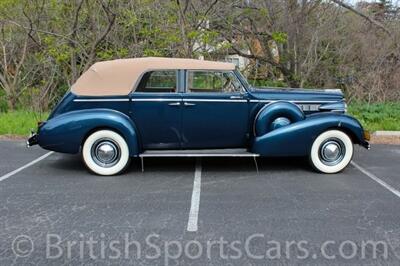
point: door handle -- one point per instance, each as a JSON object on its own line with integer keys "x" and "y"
{"x": 236, "y": 97}
{"x": 175, "y": 104}
{"x": 188, "y": 104}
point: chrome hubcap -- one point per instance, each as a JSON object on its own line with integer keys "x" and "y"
{"x": 105, "y": 152}
{"x": 332, "y": 152}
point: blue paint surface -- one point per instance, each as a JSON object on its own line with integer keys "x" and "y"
{"x": 181, "y": 120}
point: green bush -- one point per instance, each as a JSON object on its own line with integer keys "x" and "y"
{"x": 19, "y": 122}
{"x": 377, "y": 116}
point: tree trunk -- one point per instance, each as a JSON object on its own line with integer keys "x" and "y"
{"x": 293, "y": 83}
{"x": 12, "y": 102}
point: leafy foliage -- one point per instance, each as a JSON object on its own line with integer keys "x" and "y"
{"x": 46, "y": 45}
{"x": 19, "y": 122}
{"x": 378, "y": 116}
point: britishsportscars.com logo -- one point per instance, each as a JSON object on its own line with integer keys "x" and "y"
{"x": 154, "y": 247}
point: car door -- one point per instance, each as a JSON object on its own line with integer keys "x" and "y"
{"x": 214, "y": 111}
{"x": 156, "y": 110}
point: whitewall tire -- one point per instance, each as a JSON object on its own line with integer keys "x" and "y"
{"x": 331, "y": 152}
{"x": 106, "y": 152}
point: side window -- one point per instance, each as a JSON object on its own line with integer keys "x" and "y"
{"x": 213, "y": 81}
{"x": 158, "y": 81}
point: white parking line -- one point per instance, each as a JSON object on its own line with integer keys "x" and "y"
{"x": 376, "y": 179}
{"x": 4, "y": 177}
{"x": 195, "y": 203}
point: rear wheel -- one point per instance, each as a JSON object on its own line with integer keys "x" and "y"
{"x": 331, "y": 152}
{"x": 105, "y": 152}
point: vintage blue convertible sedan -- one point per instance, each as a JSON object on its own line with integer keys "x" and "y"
{"x": 159, "y": 107}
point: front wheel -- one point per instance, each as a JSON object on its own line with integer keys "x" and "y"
{"x": 105, "y": 152}
{"x": 331, "y": 152}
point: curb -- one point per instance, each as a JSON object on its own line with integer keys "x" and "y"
{"x": 387, "y": 133}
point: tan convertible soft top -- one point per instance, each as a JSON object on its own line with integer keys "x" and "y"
{"x": 118, "y": 77}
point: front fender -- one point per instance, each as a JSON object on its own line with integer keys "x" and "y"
{"x": 296, "y": 139}
{"x": 66, "y": 132}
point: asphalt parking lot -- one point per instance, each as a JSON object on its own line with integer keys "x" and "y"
{"x": 216, "y": 211}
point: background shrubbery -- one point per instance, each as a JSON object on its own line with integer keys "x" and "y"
{"x": 378, "y": 116}
{"x": 46, "y": 45}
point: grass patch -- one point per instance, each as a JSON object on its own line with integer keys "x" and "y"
{"x": 377, "y": 116}
{"x": 19, "y": 122}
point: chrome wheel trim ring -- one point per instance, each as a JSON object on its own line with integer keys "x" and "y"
{"x": 332, "y": 151}
{"x": 105, "y": 152}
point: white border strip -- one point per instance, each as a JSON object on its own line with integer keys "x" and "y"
{"x": 195, "y": 202}
{"x": 4, "y": 177}
{"x": 376, "y": 179}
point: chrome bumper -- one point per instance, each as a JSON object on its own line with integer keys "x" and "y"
{"x": 366, "y": 145}
{"x": 32, "y": 140}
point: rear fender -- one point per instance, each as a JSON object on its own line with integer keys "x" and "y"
{"x": 66, "y": 132}
{"x": 296, "y": 139}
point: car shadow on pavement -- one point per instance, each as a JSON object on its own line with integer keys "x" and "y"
{"x": 264, "y": 164}
{"x": 66, "y": 162}
{"x": 74, "y": 163}
{"x": 163, "y": 165}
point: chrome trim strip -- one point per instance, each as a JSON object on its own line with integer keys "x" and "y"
{"x": 200, "y": 155}
{"x": 156, "y": 99}
{"x": 259, "y": 101}
{"x": 191, "y": 100}
{"x": 313, "y": 101}
{"x": 216, "y": 100}
{"x": 175, "y": 104}
{"x": 101, "y": 100}
{"x": 187, "y": 100}
{"x": 268, "y": 101}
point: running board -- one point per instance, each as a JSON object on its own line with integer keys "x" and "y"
{"x": 199, "y": 153}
